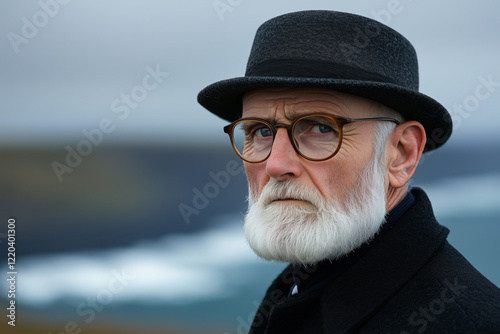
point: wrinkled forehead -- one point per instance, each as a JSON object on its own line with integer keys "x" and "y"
{"x": 290, "y": 103}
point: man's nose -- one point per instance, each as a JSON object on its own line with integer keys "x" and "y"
{"x": 283, "y": 162}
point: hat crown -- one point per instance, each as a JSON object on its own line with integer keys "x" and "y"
{"x": 333, "y": 45}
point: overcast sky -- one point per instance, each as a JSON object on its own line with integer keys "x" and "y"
{"x": 66, "y": 65}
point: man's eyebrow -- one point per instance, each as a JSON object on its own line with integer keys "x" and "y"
{"x": 290, "y": 115}
{"x": 246, "y": 126}
{"x": 293, "y": 114}
{"x": 310, "y": 108}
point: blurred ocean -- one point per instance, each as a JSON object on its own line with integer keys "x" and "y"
{"x": 136, "y": 260}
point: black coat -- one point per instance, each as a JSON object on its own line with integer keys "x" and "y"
{"x": 410, "y": 280}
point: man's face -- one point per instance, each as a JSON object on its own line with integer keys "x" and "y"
{"x": 307, "y": 201}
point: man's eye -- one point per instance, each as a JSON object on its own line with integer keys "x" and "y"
{"x": 263, "y": 132}
{"x": 321, "y": 128}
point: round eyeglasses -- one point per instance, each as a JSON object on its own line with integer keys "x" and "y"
{"x": 316, "y": 137}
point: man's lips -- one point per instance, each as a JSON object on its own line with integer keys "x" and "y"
{"x": 287, "y": 199}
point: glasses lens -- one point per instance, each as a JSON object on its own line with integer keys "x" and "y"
{"x": 253, "y": 140}
{"x": 316, "y": 137}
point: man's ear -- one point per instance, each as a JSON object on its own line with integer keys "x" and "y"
{"x": 405, "y": 147}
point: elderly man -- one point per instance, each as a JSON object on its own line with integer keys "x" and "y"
{"x": 331, "y": 127}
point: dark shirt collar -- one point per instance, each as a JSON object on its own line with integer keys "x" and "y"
{"x": 323, "y": 272}
{"x": 398, "y": 210}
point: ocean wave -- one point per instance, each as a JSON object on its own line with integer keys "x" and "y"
{"x": 176, "y": 268}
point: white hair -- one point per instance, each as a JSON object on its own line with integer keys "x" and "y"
{"x": 384, "y": 129}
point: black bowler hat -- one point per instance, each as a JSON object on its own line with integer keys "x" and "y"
{"x": 339, "y": 51}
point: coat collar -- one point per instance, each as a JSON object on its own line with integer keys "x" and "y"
{"x": 364, "y": 287}
{"x": 328, "y": 270}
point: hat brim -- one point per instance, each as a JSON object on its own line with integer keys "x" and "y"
{"x": 224, "y": 99}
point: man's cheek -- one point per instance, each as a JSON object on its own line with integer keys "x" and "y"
{"x": 257, "y": 179}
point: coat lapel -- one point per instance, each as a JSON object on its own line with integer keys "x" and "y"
{"x": 370, "y": 282}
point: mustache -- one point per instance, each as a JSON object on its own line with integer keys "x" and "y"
{"x": 287, "y": 190}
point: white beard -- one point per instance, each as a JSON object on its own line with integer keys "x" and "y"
{"x": 318, "y": 229}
